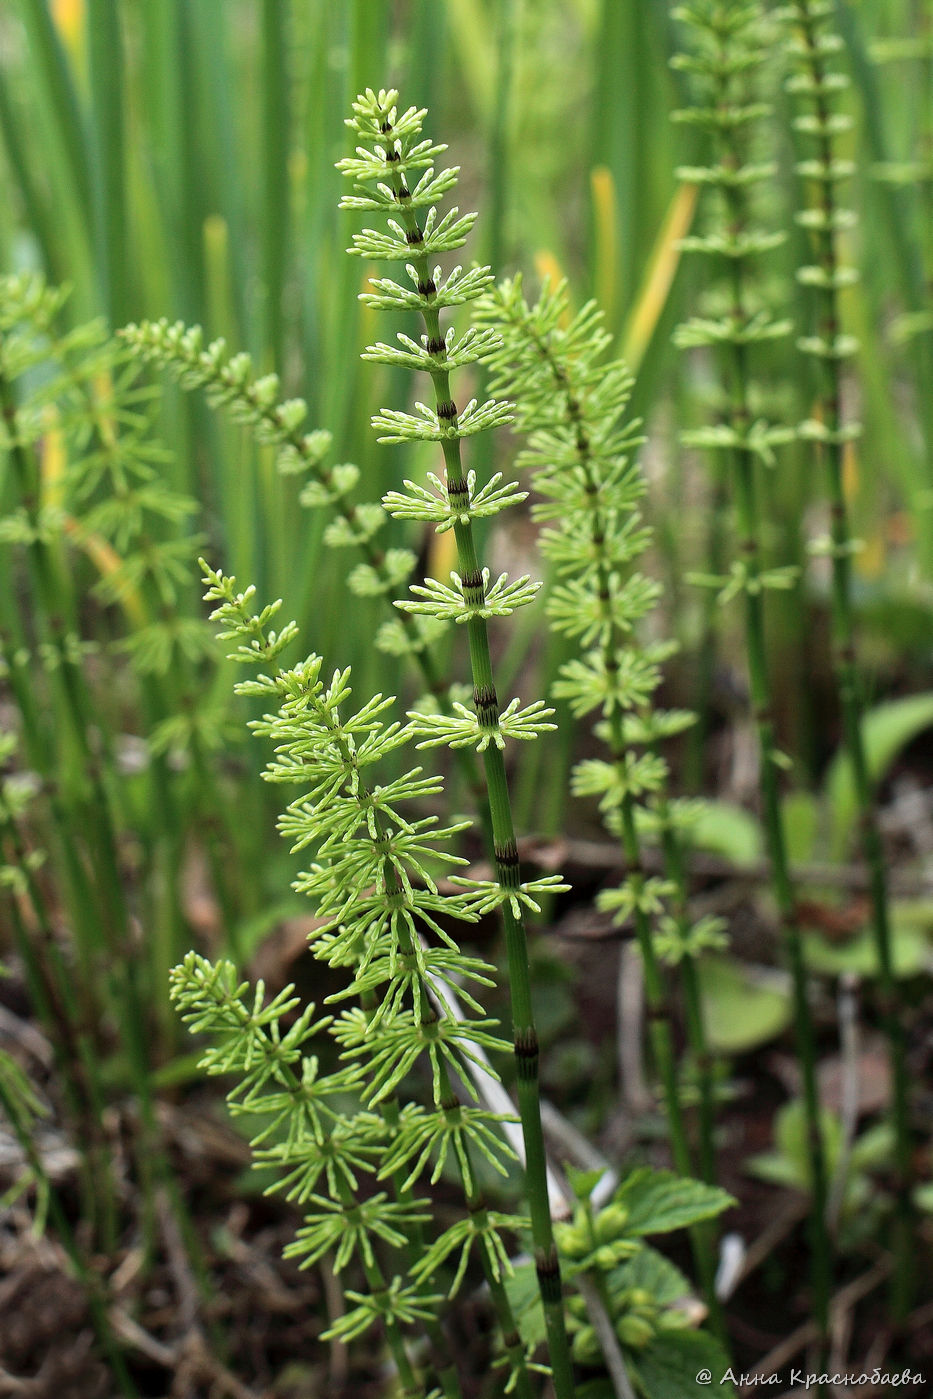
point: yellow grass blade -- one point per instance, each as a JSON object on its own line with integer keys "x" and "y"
{"x": 662, "y": 268}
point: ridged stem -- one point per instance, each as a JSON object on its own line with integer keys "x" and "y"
{"x": 485, "y": 699}
{"x": 830, "y": 453}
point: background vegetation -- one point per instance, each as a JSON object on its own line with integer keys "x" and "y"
{"x": 176, "y": 158}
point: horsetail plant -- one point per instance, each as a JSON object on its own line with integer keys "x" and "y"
{"x": 393, "y": 172}
{"x": 818, "y": 86}
{"x": 382, "y": 916}
{"x": 571, "y": 404}
{"x": 729, "y": 45}
{"x": 333, "y": 1139}
{"x": 230, "y": 383}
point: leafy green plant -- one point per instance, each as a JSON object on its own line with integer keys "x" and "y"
{"x": 570, "y": 403}
{"x": 393, "y": 171}
{"x": 639, "y": 1286}
{"x": 333, "y": 1138}
{"x": 383, "y": 916}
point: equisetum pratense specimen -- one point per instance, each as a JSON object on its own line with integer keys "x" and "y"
{"x": 728, "y": 46}
{"x": 391, "y": 152}
{"x": 361, "y": 839}
{"x": 819, "y": 85}
{"x": 570, "y": 403}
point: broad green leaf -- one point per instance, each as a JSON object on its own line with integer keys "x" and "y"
{"x": 654, "y": 1273}
{"x": 583, "y": 1183}
{"x": 659, "y": 1201}
{"x": 910, "y": 952}
{"x": 668, "y": 1368}
{"x": 741, "y": 1009}
{"x": 887, "y": 730}
{"x": 789, "y": 1163}
{"x": 728, "y": 830}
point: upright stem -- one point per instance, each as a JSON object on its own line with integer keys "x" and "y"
{"x": 830, "y": 450}
{"x": 749, "y": 530}
{"x": 505, "y": 848}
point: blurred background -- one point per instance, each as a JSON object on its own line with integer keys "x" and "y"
{"x": 176, "y": 158}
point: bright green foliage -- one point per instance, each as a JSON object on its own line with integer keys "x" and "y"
{"x": 571, "y": 406}
{"x": 392, "y": 148}
{"x": 581, "y": 453}
{"x": 382, "y": 917}
{"x": 231, "y": 384}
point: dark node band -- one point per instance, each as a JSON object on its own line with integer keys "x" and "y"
{"x": 447, "y": 411}
{"x": 427, "y": 288}
{"x": 525, "y": 1045}
{"x": 414, "y": 235}
{"x": 436, "y": 346}
{"x": 457, "y": 486}
{"x": 485, "y": 697}
{"x": 393, "y": 157}
{"x": 548, "y": 1271}
{"x": 473, "y": 580}
{"x": 506, "y": 854}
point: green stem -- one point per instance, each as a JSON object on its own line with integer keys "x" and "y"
{"x": 749, "y": 527}
{"x": 729, "y": 136}
{"x": 830, "y": 454}
{"x": 505, "y": 849}
{"x": 696, "y": 1029}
